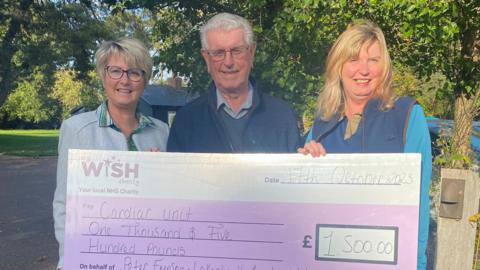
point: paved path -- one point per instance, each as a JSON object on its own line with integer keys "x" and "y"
{"x": 26, "y": 227}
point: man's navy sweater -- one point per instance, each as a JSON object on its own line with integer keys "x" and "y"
{"x": 271, "y": 127}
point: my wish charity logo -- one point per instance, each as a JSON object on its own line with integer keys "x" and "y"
{"x": 110, "y": 167}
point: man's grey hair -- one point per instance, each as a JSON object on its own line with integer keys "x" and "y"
{"x": 227, "y": 22}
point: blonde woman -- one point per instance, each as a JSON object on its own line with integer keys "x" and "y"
{"x": 125, "y": 66}
{"x": 358, "y": 111}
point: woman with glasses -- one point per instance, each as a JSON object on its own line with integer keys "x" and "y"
{"x": 124, "y": 66}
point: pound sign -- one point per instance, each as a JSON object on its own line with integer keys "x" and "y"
{"x": 306, "y": 241}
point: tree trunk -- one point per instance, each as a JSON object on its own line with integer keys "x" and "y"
{"x": 461, "y": 142}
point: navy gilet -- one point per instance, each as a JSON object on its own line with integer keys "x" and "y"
{"x": 381, "y": 131}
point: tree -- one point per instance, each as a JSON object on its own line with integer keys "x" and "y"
{"x": 12, "y": 18}
{"x": 432, "y": 37}
{"x": 433, "y": 93}
{"x": 437, "y": 39}
{"x": 29, "y": 101}
{"x": 49, "y": 34}
{"x": 67, "y": 91}
{"x": 175, "y": 38}
{"x": 448, "y": 35}
{"x": 71, "y": 93}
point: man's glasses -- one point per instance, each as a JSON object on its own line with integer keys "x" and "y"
{"x": 134, "y": 74}
{"x": 219, "y": 55}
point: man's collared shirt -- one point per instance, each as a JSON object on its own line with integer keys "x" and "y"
{"x": 105, "y": 120}
{"x": 243, "y": 109}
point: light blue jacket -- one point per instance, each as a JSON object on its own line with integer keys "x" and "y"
{"x": 82, "y": 131}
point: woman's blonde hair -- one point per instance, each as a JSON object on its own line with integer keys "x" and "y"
{"x": 348, "y": 45}
{"x": 132, "y": 50}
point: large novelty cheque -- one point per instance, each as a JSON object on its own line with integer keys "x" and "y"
{"x": 172, "y": 211}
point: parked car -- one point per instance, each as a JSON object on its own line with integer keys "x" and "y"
{"x": 444, "y": 126}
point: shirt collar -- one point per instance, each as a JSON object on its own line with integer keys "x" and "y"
{"x": 221, "y": 102}
{"x": 105, "y": 120}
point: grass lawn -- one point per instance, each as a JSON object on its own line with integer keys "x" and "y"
{"x": 35, "y": 142}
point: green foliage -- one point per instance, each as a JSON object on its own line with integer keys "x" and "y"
{"x": 434, "y": 94}
{"x": 294, "y": 37}
{"x": 66, "y": 90}
{"x": 445, "y": 155}
{"x": 36, "y": 99}
{"x": 28, "y": 101}
{"x": 91, "y": 93}
{"x": 176, "y": 41}
{"x": 309, "y": 113}
{"x": 436, "y": 40}
{"x": 291, "y": 52}
{"x": 434, "y": 44}
{"x": 443, "y": 37}
{"x": 71, "y": 92}
{"x": 439, "y": 37}
{"x": 48, "y": 35}
{"x": 134, "y": 24}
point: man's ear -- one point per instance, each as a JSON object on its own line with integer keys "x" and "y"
{"x": 206, "y": 58}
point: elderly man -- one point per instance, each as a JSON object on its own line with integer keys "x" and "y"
{"x": 234, "y": 116}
